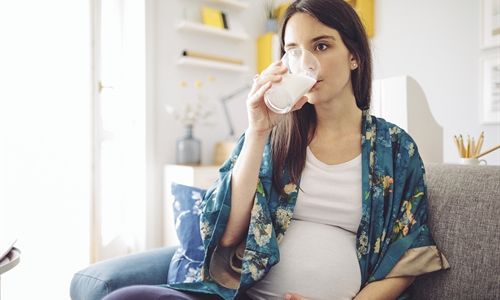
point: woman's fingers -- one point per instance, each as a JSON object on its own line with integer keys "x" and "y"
{"x": 272, "y": 73}
{"x": 259, "y": 116}
{"x": 294, "y": 297}
{"x": 254, "y": 99}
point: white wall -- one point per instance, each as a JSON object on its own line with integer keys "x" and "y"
{"x": 438, "y": 44}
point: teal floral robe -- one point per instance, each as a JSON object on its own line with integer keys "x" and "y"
{"x": 392, "y": 234}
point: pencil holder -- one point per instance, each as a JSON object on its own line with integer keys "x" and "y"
{"x": 473, "y": 161}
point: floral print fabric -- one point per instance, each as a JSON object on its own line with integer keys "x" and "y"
{"x": 394, "y": 209}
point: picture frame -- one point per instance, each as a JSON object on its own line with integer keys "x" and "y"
{"x": 490, "y": 36}
{"x": 490, "y": 90}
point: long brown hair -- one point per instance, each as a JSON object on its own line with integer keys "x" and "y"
{"x": 290, "y": 138}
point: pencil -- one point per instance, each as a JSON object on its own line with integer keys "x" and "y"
{"x": 487, "y": 151}
{"x": 473, "y": 147}
{"x": 462, "y": 148}
{"x": 479, "y": 143}
{"x": 467, "y": 149}
{"x": 456, "y": 144}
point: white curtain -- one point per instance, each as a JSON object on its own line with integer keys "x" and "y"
{"x": 119, "y": 128}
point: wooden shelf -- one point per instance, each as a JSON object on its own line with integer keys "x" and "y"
{"x": 238, "y": 4}
{"x": 189, "y": 26}
{"x": 206, "y": 63}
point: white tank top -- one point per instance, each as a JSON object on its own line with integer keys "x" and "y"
{"x": 318, "y": 257}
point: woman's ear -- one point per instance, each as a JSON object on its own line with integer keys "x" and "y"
{"x": 353, "y": 63}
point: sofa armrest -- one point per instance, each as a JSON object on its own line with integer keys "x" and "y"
{"x": 99, "y": 279}
{"x": 463, "y": 219}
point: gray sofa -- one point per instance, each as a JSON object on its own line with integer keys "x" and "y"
{"x": 464, "y": 216}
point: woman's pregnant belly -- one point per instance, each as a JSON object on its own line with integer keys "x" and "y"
{"x": 317, "y": 261}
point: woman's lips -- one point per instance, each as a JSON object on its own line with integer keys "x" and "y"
{"x": 317, "y": 82}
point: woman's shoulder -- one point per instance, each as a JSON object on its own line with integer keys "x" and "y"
{"x": 392, "y": 130}
{"x": 395, "y": 140}
{"x": 388, "y": 135}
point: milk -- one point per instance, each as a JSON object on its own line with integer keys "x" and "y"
{"x": 283, "y": 95}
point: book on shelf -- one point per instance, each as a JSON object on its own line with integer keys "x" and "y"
{"x": 268, "y": 50}
{"x": 224, "y": 20}
{"x": 214, "y": 17}
{"x": 207, "y": 56}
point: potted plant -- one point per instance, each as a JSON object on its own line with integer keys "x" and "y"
{"x": 271, "y": 15}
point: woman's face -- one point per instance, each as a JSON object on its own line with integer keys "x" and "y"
{"x": 334, "y": 79}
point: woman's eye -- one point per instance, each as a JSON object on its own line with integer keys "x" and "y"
{"x": 321, "y": 47}
{"x": 295, "y": 52}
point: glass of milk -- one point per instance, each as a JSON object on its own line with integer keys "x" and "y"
{"x": 303, "y": 68}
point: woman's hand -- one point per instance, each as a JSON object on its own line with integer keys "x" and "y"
{"x": 260, "y": 117}
{"x": 385, "y": 289}
{"x": 294, "y": 297}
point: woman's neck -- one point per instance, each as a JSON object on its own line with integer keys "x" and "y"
{"x": 339, "y": 118}
{"x": 337, "y": 138}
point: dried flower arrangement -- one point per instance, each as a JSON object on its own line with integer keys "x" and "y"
{"x": 195, "y": 109}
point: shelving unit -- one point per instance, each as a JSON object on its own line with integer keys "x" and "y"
{"x": 194, "y": 27}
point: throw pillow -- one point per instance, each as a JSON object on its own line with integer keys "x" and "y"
{"x": 188, "y": 259}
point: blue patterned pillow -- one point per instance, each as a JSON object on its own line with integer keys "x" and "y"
{"x": 188, "y": 259}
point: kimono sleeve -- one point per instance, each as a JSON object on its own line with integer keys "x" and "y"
{"x": 411, "y": 249}
{"x": 217, "y": 201}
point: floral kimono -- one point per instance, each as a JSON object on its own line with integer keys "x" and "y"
{"x": 392, "y": 240}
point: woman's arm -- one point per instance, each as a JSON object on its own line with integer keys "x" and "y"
{"x": 244, "y": 180}
{"x": 245, "y": 173}
{"x": 385, "y": 289}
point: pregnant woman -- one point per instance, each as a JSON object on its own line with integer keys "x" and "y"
{"x": 324, "y": 202}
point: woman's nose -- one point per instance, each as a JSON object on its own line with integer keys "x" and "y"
{"x": 308, "y": 61}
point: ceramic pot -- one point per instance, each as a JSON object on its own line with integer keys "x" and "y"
{"x": 271, "y": 25}
{"x": 188, "y": 149}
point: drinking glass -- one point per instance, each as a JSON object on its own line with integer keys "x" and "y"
{"x": 303, "y": 68}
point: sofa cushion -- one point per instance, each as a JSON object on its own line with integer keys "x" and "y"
{"x": 188, "y": 259}
{"x": 463, "y": 218}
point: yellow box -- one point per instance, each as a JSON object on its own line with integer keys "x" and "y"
{"x": 365, "y": 10}
{"x": 280, "y": 11}
{"x": 212, "y": 17}
{"x": 268, "y": 50}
